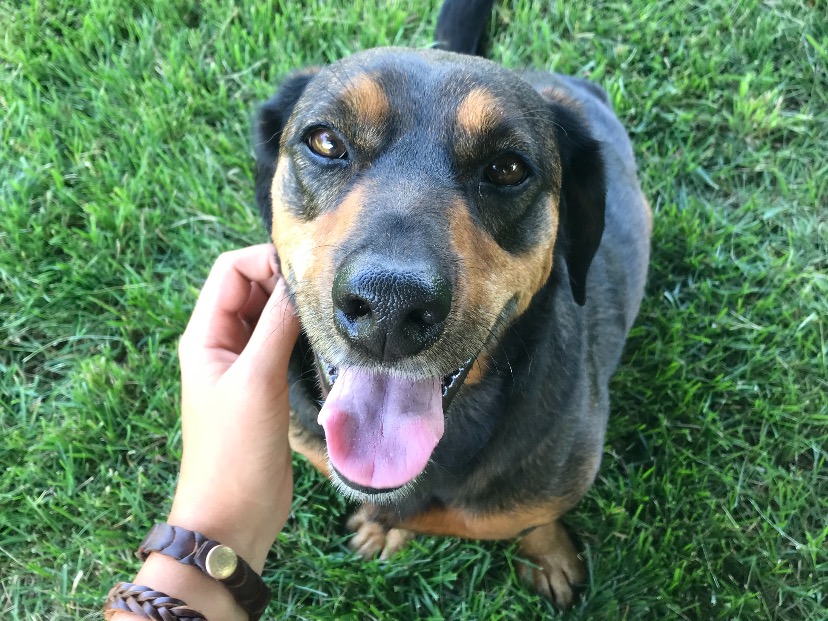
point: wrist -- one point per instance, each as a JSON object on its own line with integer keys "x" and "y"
{"x": 188, "y": 584}
{"x": 247, "y": 519}
{"x": 251, "y": 544}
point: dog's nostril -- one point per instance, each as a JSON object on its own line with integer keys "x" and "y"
{"x": 356, "y": 308}
{"x": 423, "y": 317}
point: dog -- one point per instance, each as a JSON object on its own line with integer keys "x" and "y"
{"x": 467, "y": 249}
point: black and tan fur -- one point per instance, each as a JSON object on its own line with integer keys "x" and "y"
{"x": 546, "y": 277}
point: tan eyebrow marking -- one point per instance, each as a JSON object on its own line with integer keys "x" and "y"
{"x": 478, "y": 111}
{"x": 366, "y": 99}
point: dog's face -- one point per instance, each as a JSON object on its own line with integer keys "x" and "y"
{"x": 415, "y": 200}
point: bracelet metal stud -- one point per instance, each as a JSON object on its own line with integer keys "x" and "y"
{"x": 221, "y": 562}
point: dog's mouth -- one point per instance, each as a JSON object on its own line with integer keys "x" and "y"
{"x": 450, "y": 385}
{"x": 380, "y": 428}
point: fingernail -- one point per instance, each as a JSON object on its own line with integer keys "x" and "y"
{"x": 275, "y": 264}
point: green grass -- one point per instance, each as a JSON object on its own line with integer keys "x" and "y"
{"x": 126, "y": 167}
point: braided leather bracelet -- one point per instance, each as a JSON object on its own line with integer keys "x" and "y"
{"x": 212, "y": 558}
{"x": 141, "y": 600}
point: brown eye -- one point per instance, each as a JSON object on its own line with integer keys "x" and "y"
{"x": 508, "y": 169}
{"x": 326, "y": 143}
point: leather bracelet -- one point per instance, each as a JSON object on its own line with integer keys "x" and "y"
{"x": 143, "y": 601}
{"x": 213, "y": 559}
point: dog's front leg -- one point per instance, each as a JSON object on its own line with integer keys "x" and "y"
{"x": 552, "y": 567}
{"x": 374, "y": 536}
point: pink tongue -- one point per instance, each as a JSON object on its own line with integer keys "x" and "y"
{"x": 381, "y": 430}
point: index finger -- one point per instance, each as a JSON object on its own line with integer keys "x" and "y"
{"x": 227, "y": 290}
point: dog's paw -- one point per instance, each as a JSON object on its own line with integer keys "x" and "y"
{"x": 372, "y": 538}
{"x": 553, "y": 568}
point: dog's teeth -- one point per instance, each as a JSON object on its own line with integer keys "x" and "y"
{"x": 448, "y": 380}
{"x": 331, "y": 371}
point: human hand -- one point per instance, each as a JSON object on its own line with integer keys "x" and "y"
{"x": 236, "y": 480}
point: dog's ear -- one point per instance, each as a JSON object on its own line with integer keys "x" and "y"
{"x": 583, "y": 194}
{"x": 267, "y": 134}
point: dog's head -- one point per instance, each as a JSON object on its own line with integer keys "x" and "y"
{"x": 416, "y": 200}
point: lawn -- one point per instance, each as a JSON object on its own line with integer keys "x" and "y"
{"x": 126, "y": 167}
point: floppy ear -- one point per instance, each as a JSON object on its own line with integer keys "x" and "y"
{"x": 267, "y": 134}
{"x": 583, "y": 194}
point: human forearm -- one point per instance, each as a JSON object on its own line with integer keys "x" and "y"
{"x": 235, "y": 483}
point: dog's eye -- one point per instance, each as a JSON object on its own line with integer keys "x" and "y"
{"x": 326, "y": 143}
{"x": 508, "y": 169}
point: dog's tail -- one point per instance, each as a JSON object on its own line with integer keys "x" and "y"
{"x": 461, "y": 24}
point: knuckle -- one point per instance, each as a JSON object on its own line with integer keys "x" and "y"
{"x": 225, "y": 260}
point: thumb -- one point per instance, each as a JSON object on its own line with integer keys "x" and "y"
{"x": 268, "y": 351}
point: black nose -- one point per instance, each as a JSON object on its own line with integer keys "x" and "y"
{"x": 390, "y": 311}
